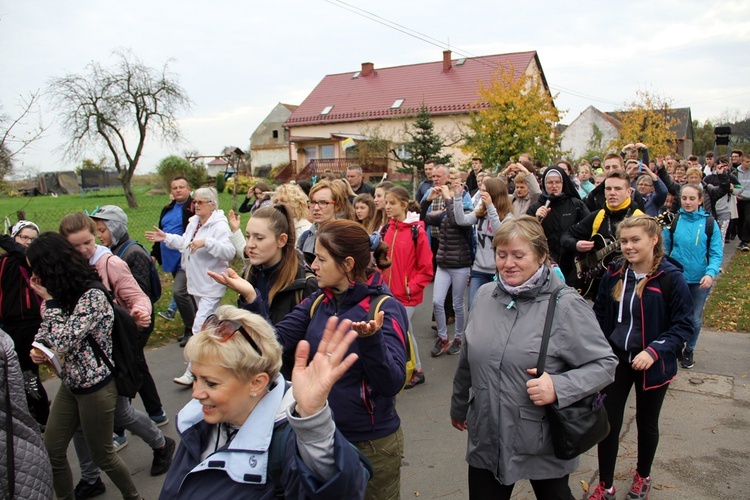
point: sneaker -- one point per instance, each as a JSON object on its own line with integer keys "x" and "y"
{"x": 168, "y": 314}
{"x": 186, "y": 379}
{"x": 119, "y": 441}
{"x": 687, "y": 359}
{"x": 745, "y": 248}
{"x": 455, "y": 347}
{"x": 159, "y": 419}
{"x": 601, "y": 493}
{"x": 641, "y": 486}
{"x": 184, "y": 340}
{"x": 163, "y": 457}
{"x": 89, "y": 490}
{"x": 441, "y": 346}
{"x": 416, "y": 379}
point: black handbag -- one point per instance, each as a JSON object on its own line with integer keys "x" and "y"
{"x": 576, "y": 428}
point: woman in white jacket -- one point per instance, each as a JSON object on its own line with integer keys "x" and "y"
{"x": 205, "y": 246}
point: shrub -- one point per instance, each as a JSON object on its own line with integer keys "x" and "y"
{"x": 221, "y": 183}
{"x": 173, "y": 166}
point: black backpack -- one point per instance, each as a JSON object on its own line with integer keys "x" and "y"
{"x": 125, "y": 350}
{"x": 154, "y": 281}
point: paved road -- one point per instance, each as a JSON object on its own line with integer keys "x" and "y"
{"x": 705, "y": 427}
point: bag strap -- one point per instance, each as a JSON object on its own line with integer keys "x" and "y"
{"x": 547, "y": 330}
{"x": 125, "y": 248}
{"x": 11, "y": 458}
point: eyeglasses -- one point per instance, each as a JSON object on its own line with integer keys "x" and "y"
{"x": 23, "y": 237}
{"x": 321, "y": 204}
{"x": 225, "y": 329}
{"x": 199, "y": 202}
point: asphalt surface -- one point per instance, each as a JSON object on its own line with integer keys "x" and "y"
{"x": 704, "y": 451}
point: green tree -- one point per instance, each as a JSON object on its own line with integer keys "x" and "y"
{"x": 513, "y": 116}
{"x": 221, "y": 182}
{"x": 173, "y": 166}
{"x": 424, "y": 144}
{"x": 703, "y": 137}
{"x": 118, "y": 107}
{"x": 89, "y": 164}
{"x": 647, "y": 119}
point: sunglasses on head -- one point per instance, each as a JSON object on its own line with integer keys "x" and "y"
{"x": 226, "y": 328}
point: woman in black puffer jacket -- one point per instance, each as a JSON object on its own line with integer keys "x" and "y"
{"x": 454, "y": 260}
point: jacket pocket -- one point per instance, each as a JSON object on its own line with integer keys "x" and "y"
{"x": 530, "y": 431}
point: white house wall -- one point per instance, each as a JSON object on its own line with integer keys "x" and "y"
{"x": 575, "y": 139}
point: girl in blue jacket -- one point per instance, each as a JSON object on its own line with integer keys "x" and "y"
{"x": 687, "y": 242}
{"x": 645, "y": 311}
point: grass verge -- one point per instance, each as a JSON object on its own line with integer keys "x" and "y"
{"x": 728, "y": 307}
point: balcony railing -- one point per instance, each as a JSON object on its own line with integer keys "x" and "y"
{"x": 339, "y": 166}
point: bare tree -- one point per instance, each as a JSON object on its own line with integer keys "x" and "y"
{"x": 12, "y": 140}
{"x": 118, "y": 107}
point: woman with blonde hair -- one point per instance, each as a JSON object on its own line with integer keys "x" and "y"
{"x": 295, "y": 200}
{"x": 327, "y": 202}
{"x": 645, "y": 310}
{"x": 241, "y": 405}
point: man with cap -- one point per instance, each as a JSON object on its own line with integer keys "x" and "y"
{"x": 112, "y": 231}
{"x": 174, "y": 219}
{"x": 558, "y": 208}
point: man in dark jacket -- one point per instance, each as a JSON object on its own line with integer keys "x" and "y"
{"x": 559, "y": 208}
{"x": 472, "y": 183}
{"x": 596, "y": 198}
{"x": 355, "y": 179}
{"x": 174, "y": 219}
{"x": 603, "y": 222}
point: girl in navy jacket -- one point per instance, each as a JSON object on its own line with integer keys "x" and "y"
{"x": 645, "y": 311}
{"x": 362, "y": 400}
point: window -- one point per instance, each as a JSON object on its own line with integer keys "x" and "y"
{"x": 326, "y": 152}
{"x": 356, "y": 75}
{"x": 275, "y": 134}
{"x": 326, "y": 110}
{"x": 397, "y": 103}
{"x": 461, "y": 61}
{"x": 402, "y": 152}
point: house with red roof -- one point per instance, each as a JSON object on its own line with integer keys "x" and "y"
{"x": 344, "y": 110}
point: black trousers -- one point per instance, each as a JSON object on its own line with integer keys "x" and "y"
{"x": 743, "y": 221}
{"x": 647, "y": 410}
{"x": 484, "y": 486}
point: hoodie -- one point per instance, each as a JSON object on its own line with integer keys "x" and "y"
{"x": 651, "y": 323}
{"x": 411, "y": 264}
{"x": 363, "y": 400}
{"x": 689, "y": 245}
{"x": 484, "y": 261}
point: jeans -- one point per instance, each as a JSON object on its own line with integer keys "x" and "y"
{"x": 699, "y": 296}
{"x": 443, "y": 279}
{"x": 131, "y": 419}
{"x": 94, "y": 413}
{"x": 385, "y": 454}
{"x": 185, "y": 302}
{"x": 478, "y": 278}
{"x": 648, "y": 407}
{"x": 483, "y": 484}
{"x": 409, "y": 314}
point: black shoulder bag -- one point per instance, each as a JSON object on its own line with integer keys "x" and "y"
{"x": 576, "y": 428}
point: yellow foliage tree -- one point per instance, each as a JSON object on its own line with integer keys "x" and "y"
{"x": 648, "y": 119}
{"x": 513, "y": 116}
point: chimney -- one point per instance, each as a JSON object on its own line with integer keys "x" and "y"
{"x": 446, "y": 60}
{"x": 367, "y": 68}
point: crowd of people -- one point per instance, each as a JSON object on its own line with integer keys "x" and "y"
{"x": 331, "y": 276}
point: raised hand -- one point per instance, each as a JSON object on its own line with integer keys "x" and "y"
{"x": 368, "y": 328}
{"x": 312, "y": 382}
{"x": 234, "y": 281}
{"x": 158, "y": 235}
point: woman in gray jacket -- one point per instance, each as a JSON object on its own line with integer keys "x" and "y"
{"x": 497, "y": 396}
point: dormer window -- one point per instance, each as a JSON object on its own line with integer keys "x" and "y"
{"x": 397, "y": 103}
{"x": 326, "y": 110}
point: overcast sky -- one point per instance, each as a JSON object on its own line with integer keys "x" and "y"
{"x": 237, "y": 59}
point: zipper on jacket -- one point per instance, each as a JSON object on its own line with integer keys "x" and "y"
{"x": 367, "y": 401}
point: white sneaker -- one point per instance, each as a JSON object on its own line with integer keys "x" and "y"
{"x": 186, "y": 379}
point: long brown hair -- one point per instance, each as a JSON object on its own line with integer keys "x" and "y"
{"x": 498, "y": 191}
{"x": 369, "y": 222}
{"x": 280, "y": 222}
{"x": 345, "y": 238}
{"x": 651, "y": 228}
{"x": 380, "y": 217}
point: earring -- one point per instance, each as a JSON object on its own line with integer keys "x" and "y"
{"x": 254, "y": 394}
